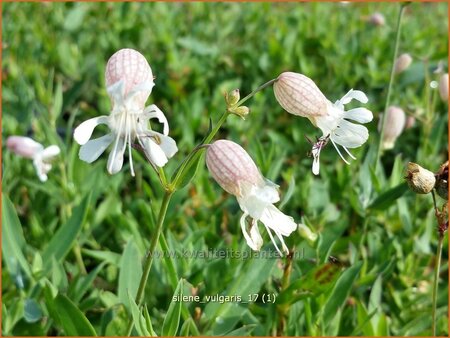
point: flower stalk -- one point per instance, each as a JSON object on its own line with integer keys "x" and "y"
{"x": 391, "y": 81}
{"x": 170, "y": 189}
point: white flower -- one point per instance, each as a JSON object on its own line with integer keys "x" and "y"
{"x": 129, "y": 81}
{"x": 300, "y": 96}
{"x": 236, "y": 173}
{"x": 28, "y": 148}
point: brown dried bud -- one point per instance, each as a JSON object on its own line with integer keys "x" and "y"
{"x": 419, "y": 179}
{"x": 442, "y": 181}
{"x": 232, "y": 97}
{"x": 299, "y": 95}
{"x": 402, "y": 63}
{"x": 443, "y": 87}
{"x": 230, "y": 165}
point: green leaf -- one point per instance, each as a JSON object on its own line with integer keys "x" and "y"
{"x": 130, "y": 273}
{"x": 13, "y": 242}
{"x": 315, "y": 282}
{"x": 172, "y": 319}
{"x": 62, "y": 241}
{"x": 223, "y": 317}
{"x": 340, "y": 292}
{"x": 72, "y": 320}
{"x": 387, "y": 198}
{"x": 32, "y": 311}
{"x": 138, "y": 320}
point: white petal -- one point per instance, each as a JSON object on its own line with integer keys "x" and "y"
{"x": 24, "y": 146}
{"x": 90, "y": 151}
{"x": 279, "y": 222}
{"x": 361, "y": 115}
{"x": 145, "y": 86}
{"x": 83, "y": 132}
{"x": 354, "y": 94}
{"x": 41, "y": 168}
{"x": 50, "y": 152}
{"x": 115, "y": 159}
{"x": 350, "y": 135}
{"x": 167, "y": 144}
{"x": 256, "y": 236}
{"x": 154, "y": 152}
{"x": 254, "y": 200}
{"x": 248, "y": 239}
{"x": 152, "y": 112}
{"x": 316, "y": 159}
{"x": 116, "y": 92}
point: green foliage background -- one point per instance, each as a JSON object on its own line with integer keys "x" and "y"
{"x": 54, "y": 56}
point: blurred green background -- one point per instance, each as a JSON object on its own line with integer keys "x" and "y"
{"x": 74, "y": 244}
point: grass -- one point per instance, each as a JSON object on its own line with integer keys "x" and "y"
{"x": 369, "y": 273}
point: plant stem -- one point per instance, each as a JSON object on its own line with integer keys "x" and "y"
{"x": 391, "y": 81}
{"x": 193, "y": 156}
{"x": 283, "y": 310}
{"x": 436, "y": 282}
{"x": 150, "y": 253}
{"x": 268, "y": 83}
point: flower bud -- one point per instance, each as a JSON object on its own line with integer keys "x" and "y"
{"x": 442, "y": 181}
{"x": 306, "y": 233}
{"x": 402, "y": 63}
{"x": 395, "y": 122}
{"x": 241, "y": 111}
{"x": 232, "y": 97}
{"x": 419, "y": 179}
{"x": 377, "y": 19}
{"x": 230, "y": 166}
{"x": 443, "y": 87}
{"x": 299, "y": 95}
{"x": 132, "y": 68}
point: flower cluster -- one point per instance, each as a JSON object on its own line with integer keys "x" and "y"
{"x": 129, "y": 81}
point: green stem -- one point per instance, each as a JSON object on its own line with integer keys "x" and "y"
{"x": 436, "y": 282}
{"x": 283, "y": 310}
{"x": 150, "y": 253}
{"x": 391, "y": 81}
{"x": 268, "y": 83}
{"x": 193, "y": 156}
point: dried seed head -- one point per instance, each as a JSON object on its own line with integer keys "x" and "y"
{"x": 377, "y": 19}
{"x": 230, "y": 165}
{"x": 299, "y": 95}
{"x": 419, "y": 179}
{"x": 130, "y": 66}
{"x": 443, "y": 87}
{"x": 442, "y": 181}
{"x": 402, "y": 63}
{"x": 394, "y": 125}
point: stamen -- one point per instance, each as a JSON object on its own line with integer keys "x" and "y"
{"x": 130, "y": 154}
{"x": 280, "y": 237}
{"x": 349, "y": 153}
{"x": 337, "y": 149}
{"x": 113, "y": 158}
{"x": 273, "y": 240}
